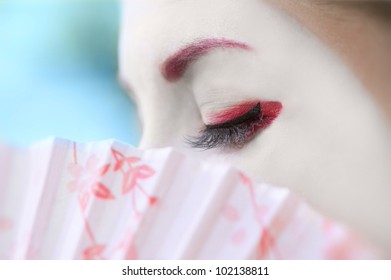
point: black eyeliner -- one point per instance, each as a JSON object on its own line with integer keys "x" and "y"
{"x": 253, "y": 114}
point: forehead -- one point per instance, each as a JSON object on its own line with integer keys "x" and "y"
{"x": 151, "y": 30}
{"x": 145, "y": 16}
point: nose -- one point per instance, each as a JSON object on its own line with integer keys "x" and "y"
{"x": 159, "y": 139}
{"x": 168, "y": 121}
{"x": 164, "y": 130}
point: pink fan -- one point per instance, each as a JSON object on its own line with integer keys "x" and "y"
{"x": 106, "y": 200}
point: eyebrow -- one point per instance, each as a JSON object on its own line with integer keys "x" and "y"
{"x": 175, "y": 66}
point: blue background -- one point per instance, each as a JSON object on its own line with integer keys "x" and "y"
{"x": 58, "y": 73}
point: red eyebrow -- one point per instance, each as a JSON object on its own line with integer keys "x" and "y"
{"x": 175, "y": 66}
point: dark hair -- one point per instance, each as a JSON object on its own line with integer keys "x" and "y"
{"x": 379, "y": 9}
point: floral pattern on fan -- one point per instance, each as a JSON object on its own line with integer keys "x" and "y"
{"x": 88, "y": 181}
{"x": 107, "y": 200}
{"x": 267, "y": 242}
{"x": 132, "y": 174}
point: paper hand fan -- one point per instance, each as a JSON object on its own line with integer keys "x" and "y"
{"x": 106, "y": 200}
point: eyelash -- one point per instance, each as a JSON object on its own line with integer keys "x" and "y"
{"x": 232, "y": 134}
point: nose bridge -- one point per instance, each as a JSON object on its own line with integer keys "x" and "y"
{"x": 168, "y": 124}
{"x": 161, "y": 126}
{"x": 157, "y": 136}
{"x": 160, "y": 132}
{"x": 154, "y": 132}
{"x": 168, "y": 112}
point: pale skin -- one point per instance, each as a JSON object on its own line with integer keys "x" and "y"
{"x": 359, "y": 31}
{"x": 331, "y": 142}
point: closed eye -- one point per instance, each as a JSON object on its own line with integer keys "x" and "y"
{"x": 236, "y": 132}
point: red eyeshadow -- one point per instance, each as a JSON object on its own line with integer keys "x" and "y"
{"x": 269, "y": 110}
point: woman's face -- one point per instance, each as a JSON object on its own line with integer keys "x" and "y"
{"x": 257, "y": 89}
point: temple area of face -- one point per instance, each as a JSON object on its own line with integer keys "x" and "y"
{"x": 175, "y": 66}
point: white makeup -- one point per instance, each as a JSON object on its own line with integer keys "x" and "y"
{"x": 330, "y": 144}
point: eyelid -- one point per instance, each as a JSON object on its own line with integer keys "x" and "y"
{"x": 236, "y": 132}
{"x": 232, "y": 112}
{"x": 254, "y": 113}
